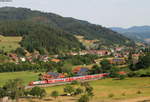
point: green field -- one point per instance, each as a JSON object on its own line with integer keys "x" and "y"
{"x": 9, "y": 43}
{"x": 121, "y": 89}
{"x": 85, "y": 42}
{"x": 25, "y": 76}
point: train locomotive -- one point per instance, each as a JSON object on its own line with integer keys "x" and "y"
{"x": 69, "y": 79}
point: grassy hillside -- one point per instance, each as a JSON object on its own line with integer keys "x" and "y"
{"x": 25, "y": 76}
{"x": 9, "y": 43}
{"x": 87, "y": 43}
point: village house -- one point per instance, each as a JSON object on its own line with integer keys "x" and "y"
{"x": 119, "y": 48}
{"x": 14, "y": 57}
{"x": 52, "y": 75}
{"x": 135, "y": 58}
{"x": 117, "y": 61}
{"x": 122, "y": 73}
{"x": 126, "y": 54}
{"x": 29, "y": 58}
{"x": 44, "y": 58}
{"x": 54, "y": 56}
{"x": 80, "y": 71}
{"x": 118, "y": 55}
{"x": 103, "y": 52}
{"x": 55, "y": 60}
{"x": 99, "y": 52}
{"x": 73, "y": 53}
{"x": 22, "y": 59}
{"x": 36, "y": 55}
{"x": 84, "y": 52}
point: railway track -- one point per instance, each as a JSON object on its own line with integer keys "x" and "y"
{"x": 59, "y": 83}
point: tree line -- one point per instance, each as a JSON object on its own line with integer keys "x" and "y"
{"x": 65, "y": 66}
{"x": 12, "y": 67}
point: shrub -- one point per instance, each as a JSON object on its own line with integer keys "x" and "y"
{"x": 69, "y": 90}
{"x": 89, "y": 91}
{"x": 84, "y": 98}
{"x": 144, "y": 62}
{"x": 3, "y": 92}
{"x": 26, "y": 92}
{"x": 38, "y": 92}
{"x": 132, "y": 74}
{"x": 111, "y": 95}
{"x": 123, "y": 94}
{"x": 75, "y": 82}
{"x": 85, "y": 84}
{"x": 121, "y": 77}
{"x": 113, "y": 72}
{"x": 78, "y": 91}
{"x": 105, "y": 65}
{"x": 20, "y": 51}
{"x": 14, "y": 88}
{"x": 54, "y": 94}
{"x": 139, "y": 92}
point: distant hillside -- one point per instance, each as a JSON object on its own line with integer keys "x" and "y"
{"x": 138, "y": 33}
{"x": 53, "y": 32}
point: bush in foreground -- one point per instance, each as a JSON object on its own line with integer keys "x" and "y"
{"x": 69, "y": 90}
{"x": 54, "y": 94}
{"x": 84, "y": 98}
{"x": 38, "y": 92}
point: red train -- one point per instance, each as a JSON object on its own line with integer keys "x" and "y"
{"x": 70, "y": 79}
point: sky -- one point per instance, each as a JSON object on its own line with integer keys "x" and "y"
{"x": 108, "y": 13}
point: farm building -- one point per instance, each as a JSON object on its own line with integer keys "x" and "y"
{"x": 122, "y": 73}
{"x": 118, "y": 61}
{"x": 55, "y": 60}
{"x": 52, "y": 75}
{"x": 79, "y": 71}
{"x": 14, "y": 57}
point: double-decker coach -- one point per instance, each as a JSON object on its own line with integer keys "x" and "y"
{"x": 70, "y": 79}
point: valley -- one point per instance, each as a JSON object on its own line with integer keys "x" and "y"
{"x": 46, "y": 57}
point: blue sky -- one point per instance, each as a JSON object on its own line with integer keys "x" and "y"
{"x": 109, "y": 13}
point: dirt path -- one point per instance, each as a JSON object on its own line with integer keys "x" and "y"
{"x": 73, "y": 99}
{"x": 139, "y": 99}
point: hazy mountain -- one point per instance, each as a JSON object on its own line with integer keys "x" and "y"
{"x": 138, "y": 33}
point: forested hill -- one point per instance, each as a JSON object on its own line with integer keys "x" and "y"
{"x": 53, "y": 32}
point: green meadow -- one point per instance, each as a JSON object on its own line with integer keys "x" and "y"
{"x": 25, "y": 76}
{"x": 9, "y": 43}
{"x": 104, "y": 90}
{"x": 111, "y": 89}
